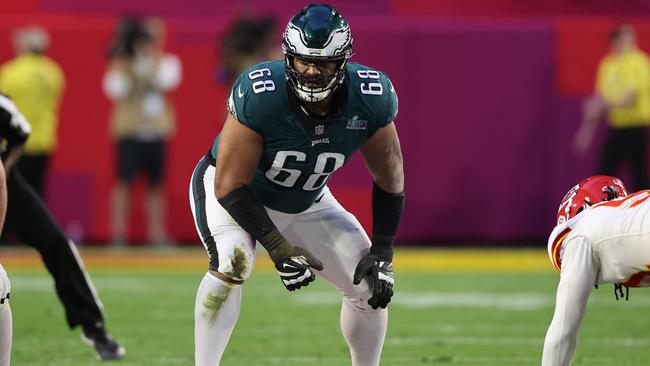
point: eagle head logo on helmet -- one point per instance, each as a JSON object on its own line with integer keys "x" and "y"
{"x": 318, "y": 33}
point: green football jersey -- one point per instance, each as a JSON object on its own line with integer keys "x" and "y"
{"x": 301, "y": 152}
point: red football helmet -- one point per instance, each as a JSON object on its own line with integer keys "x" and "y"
{"x": 592, "y": 190}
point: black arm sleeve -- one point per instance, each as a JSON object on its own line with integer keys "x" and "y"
{"x": 246, "y": 209}
{"x": 386, "y": 214}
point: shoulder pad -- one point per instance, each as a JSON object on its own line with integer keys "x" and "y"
{"x": 257, "y": 91}
{"x": 375, "y": 90}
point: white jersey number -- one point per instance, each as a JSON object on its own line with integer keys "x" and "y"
{"x": 261, "y": 86}
{"x": 286, "y": 177}
{"x": 371, "y": 88}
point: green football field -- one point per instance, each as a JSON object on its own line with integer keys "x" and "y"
{"x": 469, "y": 313}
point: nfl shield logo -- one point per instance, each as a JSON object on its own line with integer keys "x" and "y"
{"x": 319, "y": 129}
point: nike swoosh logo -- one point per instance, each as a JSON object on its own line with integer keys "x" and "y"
{"x": 319, "y": 198}
{"x": 239, "y": 93}
{"x": 392, "y": 89}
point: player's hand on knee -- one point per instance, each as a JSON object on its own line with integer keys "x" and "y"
{"x": 295, "y": 268}
{"x": 379, "y": 272}
{"x": 292, "y": 263}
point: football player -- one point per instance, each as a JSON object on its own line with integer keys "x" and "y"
{"x": 29, "y": 220}
{"x": 290, "y": 125}
{"x": 602, "y": 236}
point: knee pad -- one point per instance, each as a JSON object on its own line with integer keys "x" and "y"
{"x": 237, "y": 266}
{"x": 5, "y": 288}
{"x": 236, "y": 256}
{"x": 361, "y": 305}
{"x": 357, "y": 297}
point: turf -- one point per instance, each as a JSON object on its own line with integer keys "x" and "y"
{"x": 451, "y": 318}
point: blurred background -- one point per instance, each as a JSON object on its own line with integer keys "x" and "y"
{"x": 490, "y": 93}
{"x": 493, "y": 98}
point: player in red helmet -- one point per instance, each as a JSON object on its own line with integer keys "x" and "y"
{"x": 592, "y": 190}
{"x": 602, "y": 236}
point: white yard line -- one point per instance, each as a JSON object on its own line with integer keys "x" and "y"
{"x": 507, "y": 301}
{"x": 389, "y": 360}
{"x": 505, "y": 341}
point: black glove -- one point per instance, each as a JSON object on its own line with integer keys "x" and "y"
{"x": 293, "y": 266}
{"x": 378, "y": 269}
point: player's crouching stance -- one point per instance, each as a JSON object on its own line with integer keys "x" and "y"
{"x": 290, "y": 125}
{"x": 602, "y": 236}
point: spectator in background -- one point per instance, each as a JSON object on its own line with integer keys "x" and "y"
{"x": 623, "y": 93}
{"x": 247, "y": 41}
{"x": 35, "y": 83}
{"x": 138, "y": 79}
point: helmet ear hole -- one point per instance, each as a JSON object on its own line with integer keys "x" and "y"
{"x": 590, "y": 191}
{"x": 611, "y": 192}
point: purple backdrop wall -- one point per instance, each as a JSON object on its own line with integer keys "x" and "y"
{"x": 486, "y": 137}
{"x": 479, "y": 123}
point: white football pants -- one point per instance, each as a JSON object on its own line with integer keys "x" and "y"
{"x": 326, "y": 230}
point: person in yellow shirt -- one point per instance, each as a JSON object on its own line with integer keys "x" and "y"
{"x": 623, "y": 94}
{"x": 35, "y": 83}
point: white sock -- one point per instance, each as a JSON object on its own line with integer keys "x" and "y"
{"x": 364, "y": 331}
{"x": 5, "y": 334}
{"x": 215, "y": 313}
